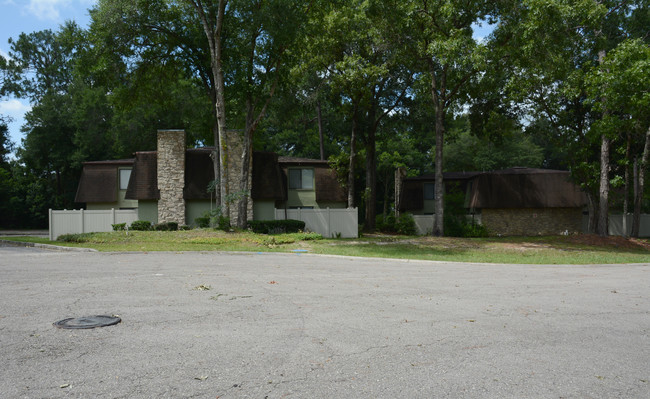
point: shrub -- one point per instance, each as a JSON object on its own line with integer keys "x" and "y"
{"x": 385, "y": 224}
{"x": 119, "y": 227}
{"x": 203, "y": 221}
{"x": 184, "y": 227}
{"x": 166, "y": 226}
{"x": 220, "y": 223}
{"x": 456, "y": 223}
{"x": 406, "y": 225}
{"x": 141, "y": 225}
{"x": 474, "y": 230}
{"x": 276, "y": 226}
{"x": 78, "y": 238}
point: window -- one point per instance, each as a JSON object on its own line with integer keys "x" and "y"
{"x": 429, "y": 191}
{"x": 125, "y": 175}
{"x": 301, "y": 179}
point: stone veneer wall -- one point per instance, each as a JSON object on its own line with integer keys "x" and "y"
{"x": 532, "y": 221}
{"x": 171, "y": 176}
{"x": 235, "y": 149}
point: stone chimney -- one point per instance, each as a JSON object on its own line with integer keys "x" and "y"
{"x": 171, "y": 176}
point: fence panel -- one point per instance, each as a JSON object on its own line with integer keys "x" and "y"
{"x": 83, "y": 221}
{"x": 326, "y": 222}
{"x": 616, "y": 225}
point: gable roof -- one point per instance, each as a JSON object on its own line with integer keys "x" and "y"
{"x": 524, "y": 188}
{"x": 98, "y": 182}
{"x": 327, "y": 186}
{"x": 199, "y": 172}
{"x": 268, "y": 181}
{"x": 143, "y": 184}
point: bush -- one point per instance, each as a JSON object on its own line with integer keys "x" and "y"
{"x": 385, "y": 224}
{"x": 119, "y": 227}
{"x": 78, "y": 238}
{"x": 166, "y": 226}
{"x": 141, "y": 225}
{"x": 202, "y": 222}
{"x": 184, "y": 227}
{"x": 276, "y": 226}
{"x": 220, "y": 223}
{"x": 406, "y": 225}
{"x": 474, "y": 230}
{"x": 456, "y": 223}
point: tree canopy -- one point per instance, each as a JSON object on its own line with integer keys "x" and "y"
{"x": 370, "y": 85}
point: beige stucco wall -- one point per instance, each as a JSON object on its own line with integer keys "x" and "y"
{"x": 195, "y": 209}
{"x": 148, "y": 210}
{"x": 532, "y": 221}
{"x": 263, "y": 210}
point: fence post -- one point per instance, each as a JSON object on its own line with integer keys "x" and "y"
{"x": 50, "y": 223}
{"x": 113, "y": 214}
{"x": 82, "y": 221}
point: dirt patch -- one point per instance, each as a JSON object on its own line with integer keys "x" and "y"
{"x": 610, "y": 241}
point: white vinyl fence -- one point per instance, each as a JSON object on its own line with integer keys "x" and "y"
{"x": 330, "y": 223}
{"x": 424, "y": 223}
{"x": 615, "y": 225}
{"x": 83, "y": 221}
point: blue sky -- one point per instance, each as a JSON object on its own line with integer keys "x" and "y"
{"x": 17, "y": 16}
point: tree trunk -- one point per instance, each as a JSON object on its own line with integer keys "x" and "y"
{"x": 320, "y": 130}
{"x": 247, "y": 148}
{"x": 371, "y": 178}
{"x": 636, "y": 216}
{"x": 353, "y": 156}
{"x": 626, "y": 184}
{"x": 213, "y": 34}
{"x": 438, "y": 228}
{"x": 641, "y": 184}
{"x": 592, "y": 224}
{"x": 439, "y": 107}
{"x": 216, "y": 164}
{"x": 603, "y": 191}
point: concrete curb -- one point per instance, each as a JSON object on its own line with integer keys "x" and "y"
{"x": 46, "y": 246}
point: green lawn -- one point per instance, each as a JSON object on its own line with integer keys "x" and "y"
{"x": 581, "y": 249}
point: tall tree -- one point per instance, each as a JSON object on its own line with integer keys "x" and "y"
{"x": 620, "y": 84}
{"x": 449, "y": 58}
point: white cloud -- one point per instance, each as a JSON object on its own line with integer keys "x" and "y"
{"x": 46, "y": 9}
{"x": 14, "y": 108}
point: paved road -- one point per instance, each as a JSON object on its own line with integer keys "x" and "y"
{"x": 301, "y": 326}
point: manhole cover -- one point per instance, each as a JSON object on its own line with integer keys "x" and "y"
{"x": 87, "y": 322}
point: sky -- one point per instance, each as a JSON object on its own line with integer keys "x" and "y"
{"x": 18, "y": 16}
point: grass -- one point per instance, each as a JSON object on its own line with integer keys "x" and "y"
{"x": 523, "y": 250}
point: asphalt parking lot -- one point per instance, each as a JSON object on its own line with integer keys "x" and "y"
{"x": 215, "y": 325}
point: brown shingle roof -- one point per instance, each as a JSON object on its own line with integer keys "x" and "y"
{"x": 268, "y": 182}
{"x": 143, "y": 184}
{"x": 328, "y": 188}
{"x": 525, "y": 188}
{"x": 295, "y": 161}
{"x": 199, "y": 172}
{"x": 98, "y": 182}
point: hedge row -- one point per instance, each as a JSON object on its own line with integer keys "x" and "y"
{"x": 276, "y": 226}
